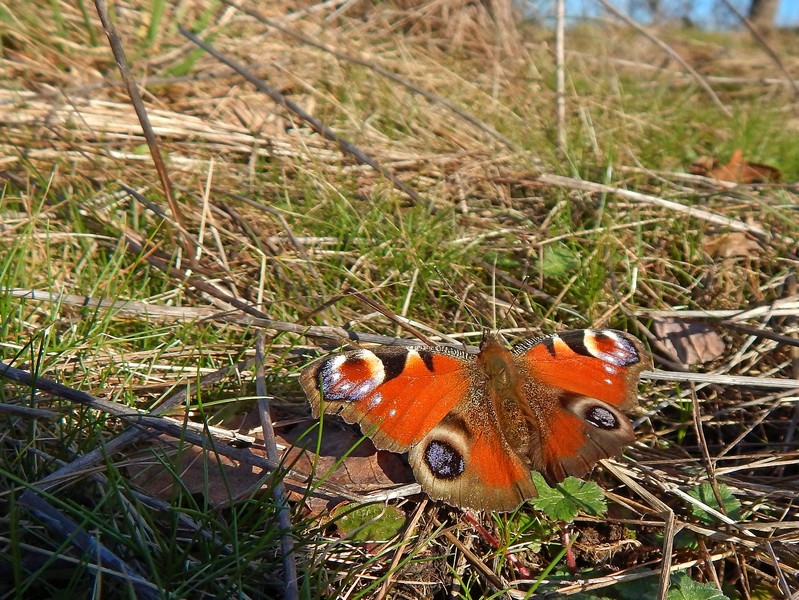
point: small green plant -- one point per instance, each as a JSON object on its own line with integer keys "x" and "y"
{"x": 368, "y": 522}
{"x": 567, "y": 498}
{"x": 685, "y": 588}
{"x": 704, "y": 493}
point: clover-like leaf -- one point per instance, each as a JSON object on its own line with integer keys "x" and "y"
{"x": 685, "y": 588}
{"x": 374, "y": 522}
{"x": 704, "y": 493}
{"x": 568, "y": 498}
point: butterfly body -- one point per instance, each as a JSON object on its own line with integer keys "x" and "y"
{"x": 474, "y": 427}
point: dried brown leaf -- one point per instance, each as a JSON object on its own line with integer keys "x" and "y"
{"x": 219, "y": 478}
{"x": 737, "y": 170}
{"x": 735, "y": 244}
{"x": 691, "y": 342}
{"x": 362, "y": 470}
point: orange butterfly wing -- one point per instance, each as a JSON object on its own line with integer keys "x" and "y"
{"x": 433, "y": 402}
{"x": 397, "y": 395}
{"x": 578, "y": 383}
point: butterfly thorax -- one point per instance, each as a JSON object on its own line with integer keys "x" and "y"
{"x": 505, "y": 386}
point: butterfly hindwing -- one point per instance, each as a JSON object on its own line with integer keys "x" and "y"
{"x": 466, "y": 461}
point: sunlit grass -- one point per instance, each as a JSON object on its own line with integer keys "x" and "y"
{"x": 315, "y": 226}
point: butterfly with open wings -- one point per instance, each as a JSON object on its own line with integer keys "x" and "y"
{"x": 475, "y": 427}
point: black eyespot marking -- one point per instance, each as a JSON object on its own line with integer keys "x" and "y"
{"x": 393, "y": 365}
{"x": 601, "y": 418}
{"x": 427, "y": 358}
{"x": 576, "y": 343}
{"x": 444, "y": 461}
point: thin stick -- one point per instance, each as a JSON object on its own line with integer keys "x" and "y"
{"x": 668, "y": 50}
{"x": 785, "y": 307}
{"x": 131, "y": 436}
{"x": 252, "y": 316}
{"x": 728, "y": 380}
{"x": 292, "y": 590}
{"x": 383, "y": 310}
{"x": 664, "y": 511}
{"x": 406, "y": 536}
{"x": 762, "y": 41}
{"x": 300, "y": 113}
{"x": 258, "y": 319}
{"x": 67, "y": 529}
{"x": 724, "y": 80}
{"x": 762, "y": 333}
{"x": 560, "y": 85}
{"x": 147, "y": 128}
{"x": 698, "y": 213}
{"x": 493, "y": 579}
{"x": 134, "y": 418}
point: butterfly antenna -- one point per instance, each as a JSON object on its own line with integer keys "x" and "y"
{"x": 506, "y": 315}
{"x": 462, "y": 303}
{"x": 515, "y": 297}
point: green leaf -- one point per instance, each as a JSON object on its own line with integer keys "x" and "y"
{"x": 525, "y": 522}
{"x": 685, "y": 588}
{"x": 376, "y": 522}
{"x": 567, "y": 498}
{"x": 559, "y": 261}
{"x": 704, "y": 493}
{"x": 636, "y": 589}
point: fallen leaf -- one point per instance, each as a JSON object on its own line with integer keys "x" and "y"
{"x": 703, "y": 165}
{"x": 363, "y": 470}
{"x": 735, "y": 244}
{"x": 737, "y": 170}
{"x": 690, "y": 342}
{"x": 218, "y": 478}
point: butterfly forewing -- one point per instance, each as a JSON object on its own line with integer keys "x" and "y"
{"x": 599, "y": 364}
{"x": 396, "y": 394}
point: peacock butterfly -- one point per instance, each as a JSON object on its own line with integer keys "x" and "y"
{"x": 474, "y": 427}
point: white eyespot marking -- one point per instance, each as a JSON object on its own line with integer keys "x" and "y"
{"x": 351, "y": 376}
{"x": 392, "y": 413}
{"x": 375, "y": 401}
{"x": 610, "y": 369}
{"x": 610, "y": 347}
{"x": 330, "y": 373}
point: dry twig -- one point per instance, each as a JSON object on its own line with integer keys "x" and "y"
{"x": 668, "y": 50}
{"x": 312, "y": 121}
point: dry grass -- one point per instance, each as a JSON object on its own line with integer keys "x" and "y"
{"x": 283, "y": 227}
